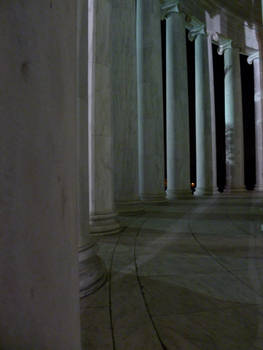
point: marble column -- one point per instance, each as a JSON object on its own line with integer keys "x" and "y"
{"x": 92, "y": 272}
{"x": 205, "y": 116}
{"x": 150, "y": 101}
{"x": 124, "y": 106}
{"x": 177, "y": 131}
{"x": 103, "y": 217}
{"x": 257, "y": 63}
{"x": 39, "y": 298}
{"x": 233, "y": 118}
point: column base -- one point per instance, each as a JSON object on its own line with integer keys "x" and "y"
{"x": 92, "y": 271}
{"x": 179, "y": 194}
{"x": 258, "y": 188}
{"x": 205, "y": 192}
{"x": 238, "y": 190}
{"x": 104, "y": 224}
{"x": 129, "y": 207}
{"x": 153, "y": 198}
{"x": 235, "y": 192}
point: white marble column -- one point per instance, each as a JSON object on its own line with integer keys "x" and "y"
{"x": 178, "y": 146}
{"x": 103, "y": 218}
{"x": 205, "y": 116}
{"x": 150, "y": 101}
{"x": 258, "y": 98}
{"x": 92, "y": 272}
{"x": 233, "y": 118}
{"x": 39, "y": 298}
{"x": 125, "y": 114}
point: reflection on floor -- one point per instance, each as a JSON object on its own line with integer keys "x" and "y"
{"x": 186, "y": 276}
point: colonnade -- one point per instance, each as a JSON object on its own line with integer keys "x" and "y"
{"x": 126, "y": 145}
{"x": 126, "y": 138}
{"x": 121, "y": 143}
{"x": 177, "y": 109}
{"x": 59, "y": 168}
{"x": 120, "y": 109}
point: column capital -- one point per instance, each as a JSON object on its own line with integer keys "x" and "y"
{"x": 253, "y": 56}
{"x": 224, "y": 43}
{"x": 169, "y": 7}
{"x": 195, "y": 27}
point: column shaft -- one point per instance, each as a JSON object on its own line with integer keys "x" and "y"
{"x": 178, "y": 147}
{"x": 205, "y": 132}
{"x": 233, "y": 122}
{"x": 150, "y": 101}
{"x": 102, "y": 211}
{"x": 39, "y": 299}
{"x": 258, "y": 79}
{"x": 125, "y": 114}
{"x": 92, "y": 272}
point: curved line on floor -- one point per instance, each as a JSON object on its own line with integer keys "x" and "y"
{"x": 110, "y": 304}
{"x": 232, "y": 221}
{"x": 142, "y": 289}
{"x": 219, "y": 262}
{"x": 110, "y": 279}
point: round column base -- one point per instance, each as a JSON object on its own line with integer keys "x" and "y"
{"x": 258, "y": 188}
{"x": 205, "y": 192}
{"x": 235, "y": 192}
{"x": 179, "y": 194}
{"x": 104, "y": 224}
{"x": 92, "y": 271}
{"x": 129, "y": 207}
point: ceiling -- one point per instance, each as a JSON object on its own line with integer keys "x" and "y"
{"x": 249, "y": 10}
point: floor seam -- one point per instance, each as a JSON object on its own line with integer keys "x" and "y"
{"x": 142, "y": 291}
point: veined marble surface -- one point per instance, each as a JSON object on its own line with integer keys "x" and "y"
{"x": 184, "y": 276}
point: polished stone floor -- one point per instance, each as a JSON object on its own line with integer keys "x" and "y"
{"x": 186, "y": 275}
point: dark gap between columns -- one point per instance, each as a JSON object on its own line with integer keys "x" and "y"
{"x": 247, "y": 83}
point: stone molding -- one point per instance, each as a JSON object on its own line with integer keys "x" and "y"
{"x": 195, "y": 27}
{"x": 231, "y": 24}
{"x": 253, "y": 56}
{"x": 169, "y": 7}
{"x": 214, "y": 7}
{"x": 224, "y": 43}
